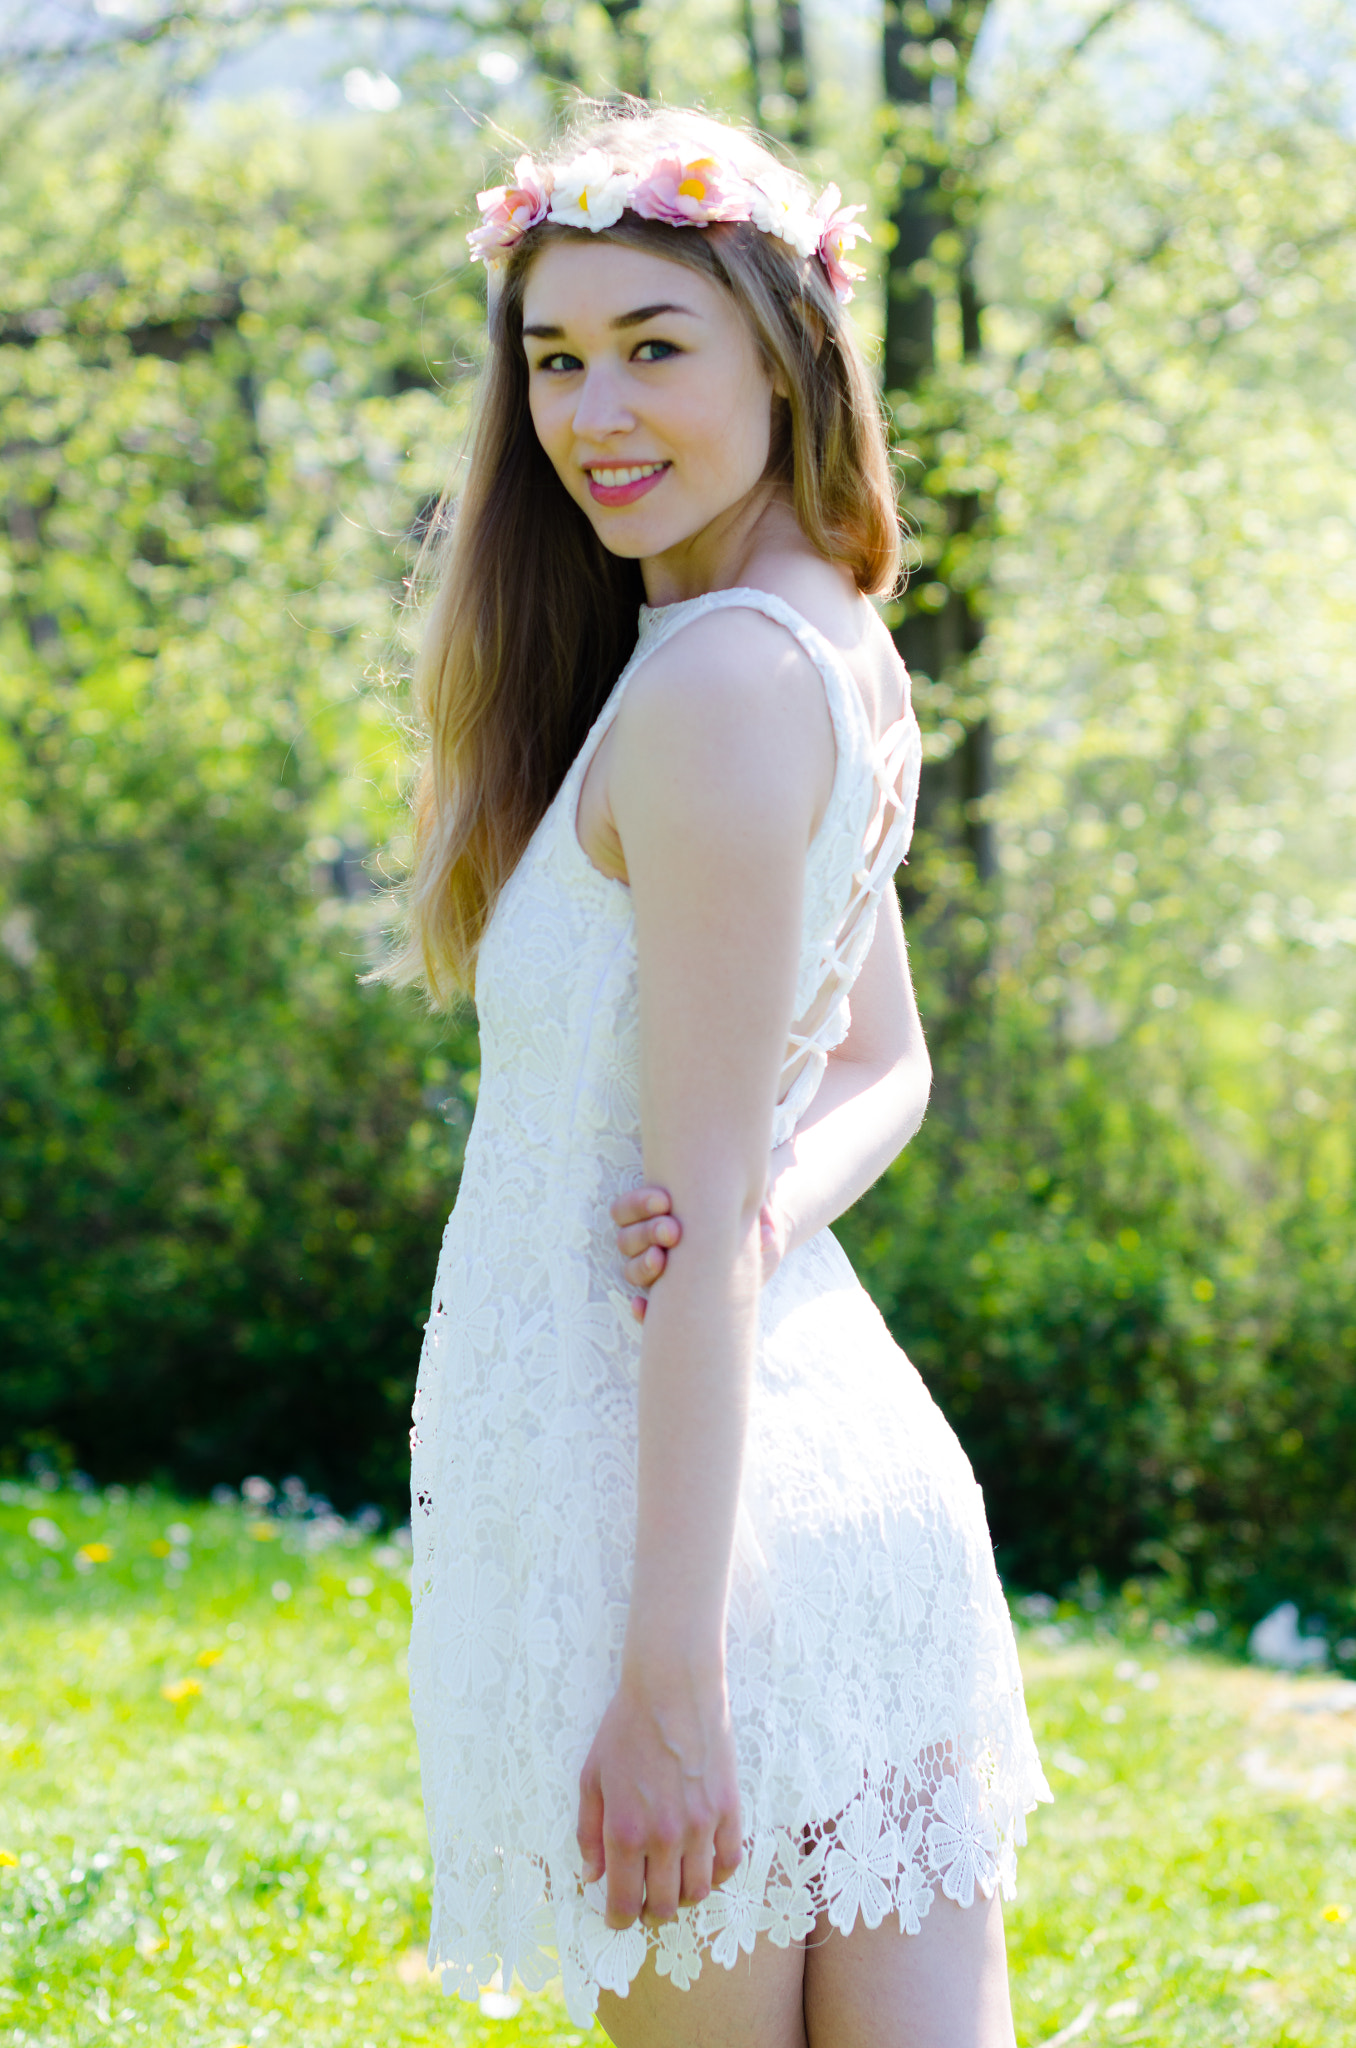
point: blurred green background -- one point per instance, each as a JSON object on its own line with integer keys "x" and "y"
{"x": 1111, "y": 300}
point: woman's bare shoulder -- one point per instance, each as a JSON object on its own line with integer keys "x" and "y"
{"x": 734, "y": 663}
{"x": 733, "y": 702}
{"x": 825, "y": 595}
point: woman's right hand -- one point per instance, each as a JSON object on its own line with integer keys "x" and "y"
{"x": 647, "y": 1231}
{"x": 659, "y": 1795}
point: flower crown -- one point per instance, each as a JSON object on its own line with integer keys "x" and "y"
{"x": 687, "y": 192}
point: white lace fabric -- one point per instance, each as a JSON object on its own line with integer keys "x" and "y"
{"x": 883, "y": 1747}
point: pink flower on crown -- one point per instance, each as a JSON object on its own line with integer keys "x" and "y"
{"x": 508, "y": 211}
{"x": 690, "y": 194}
{"x": 838, "y": 231}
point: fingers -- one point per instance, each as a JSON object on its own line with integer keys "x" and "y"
{"x": 589, "y": 1830}
{"x": 625, "y": 1883}
{"x": 663, "y": 1885}
{"x": 697, "y": 1869}
{"x": 636, "y": 1238}
{"x": 645, "y": 1248}
{"x": 634, "y": 1204}
{"x": 729, "y": 1847}
{"x": 646, "y": 1269}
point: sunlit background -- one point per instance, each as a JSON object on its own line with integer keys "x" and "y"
{"x": 1112, "y": 299}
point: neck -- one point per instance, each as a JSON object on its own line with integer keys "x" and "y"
{"x": 717, "y": 558}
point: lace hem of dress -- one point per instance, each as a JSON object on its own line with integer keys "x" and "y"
{"x": 904, "y": 1838}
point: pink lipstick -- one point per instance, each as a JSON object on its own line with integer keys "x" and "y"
{"x": 626, "y": 481}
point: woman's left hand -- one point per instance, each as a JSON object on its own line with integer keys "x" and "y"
{"x": 647, "y": 1231}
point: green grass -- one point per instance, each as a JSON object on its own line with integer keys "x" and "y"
{"x": 211, "y": 1791}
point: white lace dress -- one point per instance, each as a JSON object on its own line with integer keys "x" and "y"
{"x": 883, "y": 1746}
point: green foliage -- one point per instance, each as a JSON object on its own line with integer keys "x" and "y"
{"x": 223, "y": 1182}
{"x": 1146, "y": 1370}
{"x": 234, "y": 349}
{"x": 1120, "y": 1249}
{"x": 210, "y": 1826}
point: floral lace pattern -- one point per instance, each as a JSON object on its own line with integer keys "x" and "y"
{"x": 883, "y": 1747}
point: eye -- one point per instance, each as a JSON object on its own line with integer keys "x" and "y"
{"x": 560, "y": 363}
{"x": 664, "y": 348}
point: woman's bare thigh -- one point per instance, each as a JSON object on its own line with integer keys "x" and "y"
{"x": 757, "y": 2004}
{"x": 944, "y": 1987}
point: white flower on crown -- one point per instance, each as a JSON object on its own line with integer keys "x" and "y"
{"x": 783, "y": 215}
{"x": 588, "y": 193}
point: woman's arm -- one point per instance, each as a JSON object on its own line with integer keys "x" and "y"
{"x": 722, "y": 760}
{"x": 868, "y": 1105}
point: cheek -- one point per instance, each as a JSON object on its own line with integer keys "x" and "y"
{"x": 539, "y": 411}
{"x": 550, "y": 422}
{"x": 735, "y": 425}
{"x": 748, "y": 442}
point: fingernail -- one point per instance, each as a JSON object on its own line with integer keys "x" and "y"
{"x": 655, "y": 1204}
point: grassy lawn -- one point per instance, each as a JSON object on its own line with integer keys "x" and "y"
{"x": 210, "y": 1830}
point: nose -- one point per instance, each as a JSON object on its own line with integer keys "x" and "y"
{"x": 601, "y": 406}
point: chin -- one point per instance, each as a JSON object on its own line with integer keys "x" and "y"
{"x": 638, "y": 539}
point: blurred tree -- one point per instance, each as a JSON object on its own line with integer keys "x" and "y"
{"x": 1158, "y": 430}
{"x": 219, "y": 1156}
{"x": 231, "y": 349}
{"x": 794, "y": 67}
{"x": 927, "y": 53}
{"x": 779, "y": 71}
{"x": 633, "y": 57}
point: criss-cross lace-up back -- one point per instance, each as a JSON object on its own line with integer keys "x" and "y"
{"x": 862, "y": 837}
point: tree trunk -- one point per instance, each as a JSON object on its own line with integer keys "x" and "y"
{"x": 748, "y": 29}
{"x": 794, "y": 67}
{"x": 925, "y": 52}
{"x": 633, "y": 52}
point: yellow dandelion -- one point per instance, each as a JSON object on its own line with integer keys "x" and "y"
{"x": 96, "y": 1553}
{"x": 8, "y": 1860}
{"x": 207, "y": 1658}
{"x": 263, "y": 1532}
{"x": 1337, "y": 1914}
{"x": 160, "y": 1548}
{"x": 182, "y": 1689}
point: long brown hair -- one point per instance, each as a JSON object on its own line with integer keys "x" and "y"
{"x": 532, "y": 619}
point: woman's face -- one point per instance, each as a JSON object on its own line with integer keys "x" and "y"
{"x": 647, "y": 392}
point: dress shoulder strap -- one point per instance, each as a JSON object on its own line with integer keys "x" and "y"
{"x": 852, "y": 730}
{"x": 658, "y": 624}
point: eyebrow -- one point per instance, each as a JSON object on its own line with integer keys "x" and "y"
{"x": 636, "y": 319}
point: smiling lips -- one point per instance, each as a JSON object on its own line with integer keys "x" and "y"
{"x": 622, "y": 484}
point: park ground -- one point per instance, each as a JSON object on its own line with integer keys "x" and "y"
{"x": 211, "y": 1835}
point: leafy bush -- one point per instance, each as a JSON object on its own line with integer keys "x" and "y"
{"x": 223, "y": 1174}
{"x": 1148, "y": 1366}
{"x": 1121, "y": 1248}
{"x": 222, "y": 1166}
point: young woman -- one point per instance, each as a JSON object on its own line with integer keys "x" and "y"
{"x": 717, "y": 1699}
